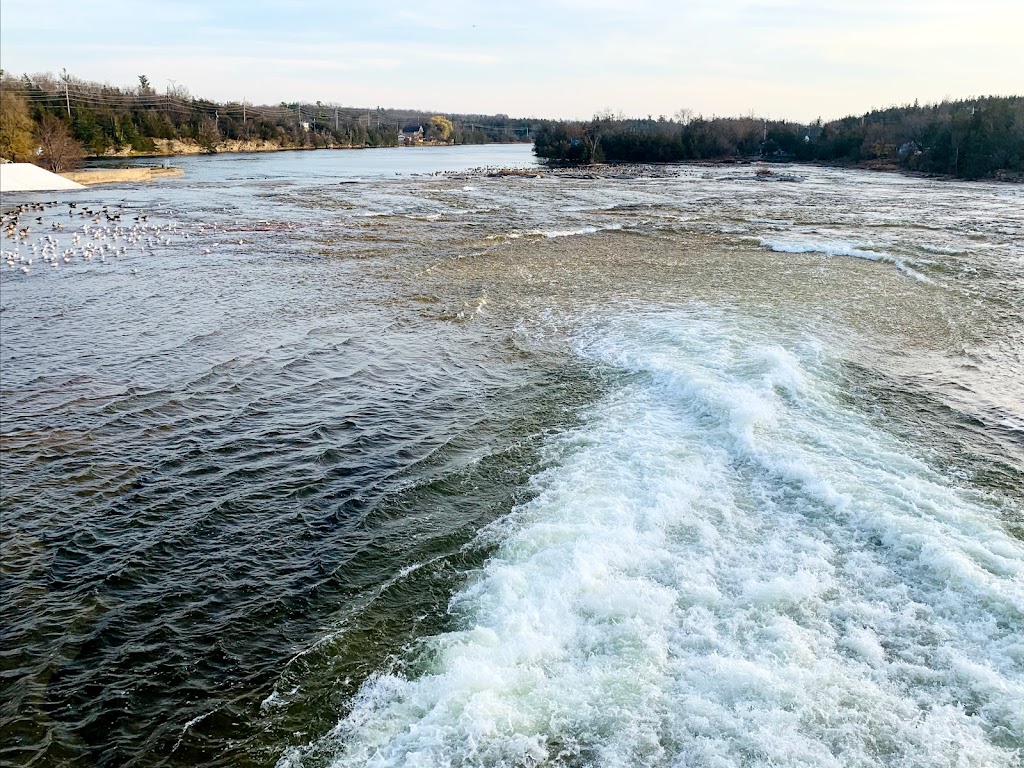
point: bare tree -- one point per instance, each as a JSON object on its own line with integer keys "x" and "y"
{"x": 179, "y": 92}
{"x": 208, "y": 136}
{"x": 58, "y": 150}
{"x": 683, "y": 116}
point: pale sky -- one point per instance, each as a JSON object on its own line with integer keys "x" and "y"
{"x": 795, "y": 59}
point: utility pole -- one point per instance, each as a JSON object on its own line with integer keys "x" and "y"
{"x": 335, "y": 119}
{"x": 67, "y": 96}
{"x": 243, "y": 110}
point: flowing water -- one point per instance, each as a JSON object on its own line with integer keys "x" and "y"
{"x": 327, "y": 459}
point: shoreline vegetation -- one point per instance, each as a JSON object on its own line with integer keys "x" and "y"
{"x": 980, "y": 138}
{"x": 58, "y": 121}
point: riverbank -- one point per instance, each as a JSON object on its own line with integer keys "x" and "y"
{"x": 178, "y": 147}
{"x": 122, "y": 175}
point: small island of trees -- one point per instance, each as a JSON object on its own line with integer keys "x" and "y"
{"x": 969, "y": 139}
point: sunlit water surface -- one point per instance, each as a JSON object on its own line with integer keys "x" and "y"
{"x": 327, "y": 459}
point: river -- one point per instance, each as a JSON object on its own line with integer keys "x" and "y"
{"x": 362, "y": 458}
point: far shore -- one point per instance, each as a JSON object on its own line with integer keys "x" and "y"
{"x": 178, "y": 148}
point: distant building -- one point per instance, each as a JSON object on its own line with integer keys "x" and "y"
{"x": 411, "y": 134}
{"x": 909, "y": 148}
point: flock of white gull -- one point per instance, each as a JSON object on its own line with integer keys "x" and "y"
{"x": 90, "y": 235}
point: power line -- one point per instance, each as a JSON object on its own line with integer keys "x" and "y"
{"x": 83, "y": 95}
{"x": 129, "y": 102}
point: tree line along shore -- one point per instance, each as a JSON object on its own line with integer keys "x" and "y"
{"x": 56, "y": 121}
{"x": 969, "y": 139}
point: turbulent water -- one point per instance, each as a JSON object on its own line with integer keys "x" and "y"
{"x": 327, "y": 459}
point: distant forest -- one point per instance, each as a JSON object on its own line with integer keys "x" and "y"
{"x": 105, "y": 119}
{"x": 970, "y": 139}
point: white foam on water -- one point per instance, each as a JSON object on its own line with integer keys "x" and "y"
{"x": 942, "y": 250}
{"x": 185, "y": 729}
{"x": 840, "y": 248}
{"x": 725, "y": 565}
{"x": 554, "y": 233}
{"x": 827, "y": 247}
{"x": 910, "y": 272}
